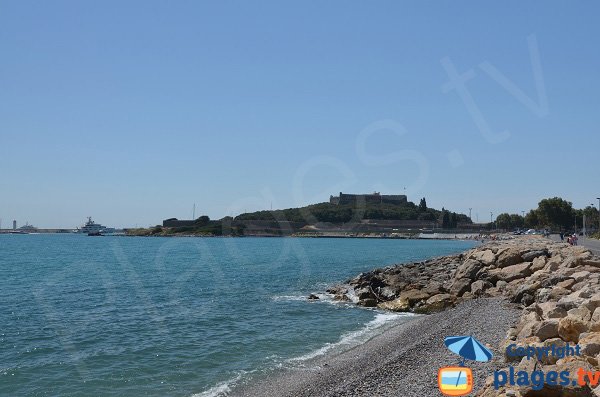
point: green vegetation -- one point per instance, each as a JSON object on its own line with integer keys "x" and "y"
{"x": 326, "y": 212}
{"x": 510, "y": 221}
{"x": 559, "y": 215}
{"x": 203, "y": 226}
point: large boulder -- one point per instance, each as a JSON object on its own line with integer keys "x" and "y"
{"x": 550, "y": 309}
{"x": 508, "y": 257}
{"x": 513, "y": 272}
{"x": 397, "y": 305}
{"x": 436, "y": 303}
{"x": 590, "y": 343}
{"x": 413, "y": 296}
{"x": 468, "y": 269}
{"x": 460, "y": 286}
{"x": 486, "y": 257}
{"x": 479, "y": 287}
{"x": 531, "y": 255}
{"x": 546, "y": 329}
{"x": 569, "y": 328}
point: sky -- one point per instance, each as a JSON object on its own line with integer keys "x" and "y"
{"x": 131, "y": 112}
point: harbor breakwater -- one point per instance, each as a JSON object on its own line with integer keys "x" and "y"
{"x": 557, "y": 287}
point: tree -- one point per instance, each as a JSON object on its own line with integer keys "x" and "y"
{"x": 503, "y": 221}
{"x": 423, "y": 205}
{"x": 591, "y": 217}
{"x": 453, "y": 221}
{"x": 202, "y": 221}
{"x": 556, "y": 212}
{"x": 516, "y": 221}
{"x": 532, "y": 219}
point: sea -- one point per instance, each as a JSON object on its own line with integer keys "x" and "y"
{"x": 190, "y": 317}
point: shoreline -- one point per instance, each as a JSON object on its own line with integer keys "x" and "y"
{"x": 401, "y": 361}
{"x": 521, "y": 291}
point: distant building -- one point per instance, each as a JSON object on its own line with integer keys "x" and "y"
{"x": 375, "y": 197}
{"x": 14, "y": 225}
{"x": 174, "y": 222}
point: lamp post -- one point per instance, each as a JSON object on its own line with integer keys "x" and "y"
{"x": 598, "y": 198}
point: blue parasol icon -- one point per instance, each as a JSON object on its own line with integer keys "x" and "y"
{"x": 468, "y": 348}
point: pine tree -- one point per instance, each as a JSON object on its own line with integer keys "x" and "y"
{"x": 423, "y": 205}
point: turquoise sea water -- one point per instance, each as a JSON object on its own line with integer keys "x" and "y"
{"x": 117, "y": 316}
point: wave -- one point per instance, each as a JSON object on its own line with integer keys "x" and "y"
{"x": 222, "y": 388}
{"x": 354, "y": 338}
{"x": 323, "y": 298}
{"x": 376, "y": 326}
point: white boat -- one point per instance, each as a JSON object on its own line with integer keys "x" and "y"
{"x": 92, "y": 227}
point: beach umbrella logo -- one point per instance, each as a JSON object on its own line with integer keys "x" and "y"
{"x": 468, "y": 348}
{"x": 458, "y": 381}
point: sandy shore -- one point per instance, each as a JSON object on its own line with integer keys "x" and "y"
{"x": 403, "y": 361}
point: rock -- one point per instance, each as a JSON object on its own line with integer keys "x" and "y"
{"x": 590, "y": 343}
{"x": 569, "y": 328}
{"x": 368, "y": 302}
{"x": 557, "y": 293}
{"x": 312, "y": 297}
{"x": 526, "y": 289}
{"x": 527, "y": 324}
{"x": 364, "y": 293}
{"x": 479, "y": 286}
{"x": 397, "y": 305}
{"x": 437, "y": 303}
{"x": 460, "y": 286}
{"x": 486, "y": 257}
{"x": 596, "y": 315}
{"x": 580, "y": 276}
{"x": 566, "y": 284}
{"x": 581, "y": 313}
{"x": 508, "y": 257}
{"x": 337, "y": 290}
{"x": 569, "y": 302}
{"x": 433, "y": 288}
{"x": 531, "y": 255}
{"x": 547, "y": 329}
{"x": 551, "y": 310}
{"x": 413, "y": 296}
{"x": 513, "y": 272}
{"x": 538, "y": 263}
{"x": 595, "y": 262}
{"x": 553, "y": 264}
{"x": 571, "y": 262}
{"x": 341, "y": 297}
{"x": 468, "y": 269}
{"x": 527, "y": 299}
{"x": 387, "y": 293}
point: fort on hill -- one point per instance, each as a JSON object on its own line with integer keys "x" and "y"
{"x": 375, "y": 197}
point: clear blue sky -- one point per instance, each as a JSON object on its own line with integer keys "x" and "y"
{"x": 132, "y": 111}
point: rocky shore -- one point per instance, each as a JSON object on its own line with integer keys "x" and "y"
{"x": 556, "y": 287}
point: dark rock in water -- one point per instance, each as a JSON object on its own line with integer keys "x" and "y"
{"x": 365, "y": 293}
{"x": 341, "y": 297}
{"x": 312, "y": 297}
{"x": 369, "y": 302}
{"x": 387, "y": 293}
{"x": 337, "y": 290}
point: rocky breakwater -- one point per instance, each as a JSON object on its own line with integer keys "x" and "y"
{"x": 556, "y": 285}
